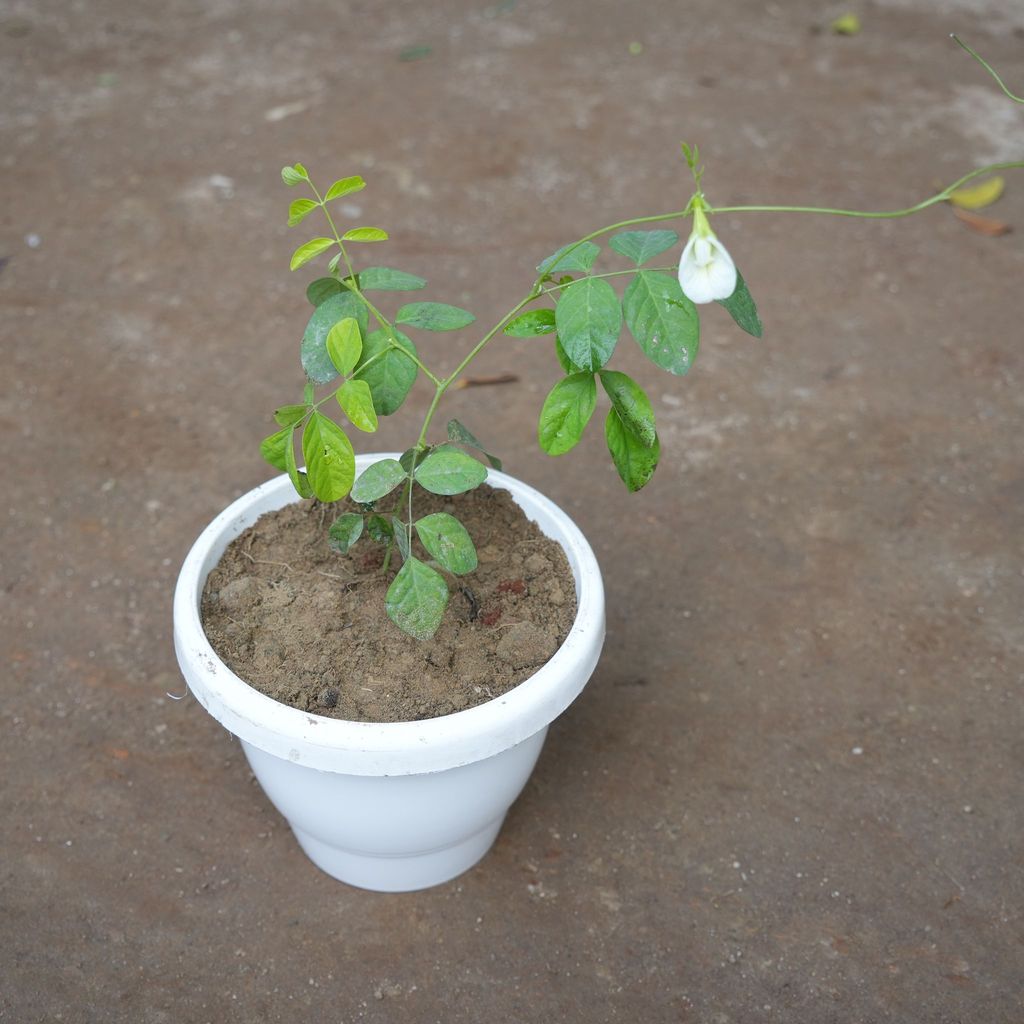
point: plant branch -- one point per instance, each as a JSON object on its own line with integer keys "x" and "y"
{"x": 988, "y": 67}
{"x": 939, "y": 197}
{"x": 376, "y": 313}
{"x": 612, "y": 273}
{"x": 479, "y": 347}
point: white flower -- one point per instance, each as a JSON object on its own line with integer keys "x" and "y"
{"x": 706, "y": 270}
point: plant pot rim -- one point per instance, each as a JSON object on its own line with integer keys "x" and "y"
{"x": 387, "y": 748}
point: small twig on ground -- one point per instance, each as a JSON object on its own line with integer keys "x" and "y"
{"x": 480, "y": 382}
{"x": 263, "y": 561}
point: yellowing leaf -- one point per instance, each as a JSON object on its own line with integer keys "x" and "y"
{"x": 977, "y": 197}
{"x": 846, "y": 25}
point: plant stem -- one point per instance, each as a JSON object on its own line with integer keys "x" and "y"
{"x": 377, "y": 314}
{"x": 355, "y": 373}
{"x": 441, "y": 385}
{"x": 479, "y": 347}
{"x": 988, "y": 67}
{"x": 612, "y": 273}
{"x": 939, "y": 197}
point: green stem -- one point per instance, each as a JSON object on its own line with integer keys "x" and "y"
{"x": 596, "y": 277}
{"x": 479, "y": 347}
{"x": 441, "y": 385}
{"x": 939, "y": 197}
{"x": 440, "y": 388}
{"x": 355, "y": 373}
{"x": 386, "y": 324}
{"x": 988, "y": 67}
{"x": 615, "y": 227}
{"x": 377, "y": 314}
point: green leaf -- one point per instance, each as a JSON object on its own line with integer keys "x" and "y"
{"x": 308, "y": 250}
{"x": 288, "y": 415}
{"x": 447, "y": 470}
{"x": 357, "y": 403}
{"x": 323, "y": 288}
{"x": 378, "y": 479}
{"x": 663, "y": 320}
{"x": 330, "y": 461}
{"x": 345, "y": 531}
{"x": 581, "y": 258}
{"x": 407, "y": 456}
{"x": 379, "y": 529}
{"x": 416, "y": 599}
{"x": 641, "y": 246}
{"x": 632, "y": 405}
{"x": 365, "y": 235}
{"x": 294, "y": 175}
{"x": 333, "y": 262}
{"x": 447, "y": 542}
{"x": 566, "y": 412}
{"x": 273, "y": 448}
{"x": 568, "y": 366}
{"x": 634, "y": 461}
{"x": 434, "y": 316}
{"x": 390, "y": 377}
{"x": 344, "y": 187}
{"x": 742, "y": 309}
{"x": 299, "y": 210}
{"x": 300, "y": 480}
{"x": 401, "y": 535}
{"x": 589, "y": 319}
{"x": 344, "y": 344}
{"x": 384, "y": 279}
{"x": 461, "y": 435}
{"x": 531, "y": 324}
{"x": 316, "y": 360}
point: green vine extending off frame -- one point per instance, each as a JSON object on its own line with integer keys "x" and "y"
{"x": 372, "y": 371}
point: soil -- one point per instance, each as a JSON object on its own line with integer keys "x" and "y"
{"x": 306, "y": 625}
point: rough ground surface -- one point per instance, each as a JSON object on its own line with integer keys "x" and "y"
{"x": 303, "y": 624}
{"x": 792, "y": 790}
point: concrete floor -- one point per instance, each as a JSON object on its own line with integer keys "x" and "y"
{"x": 792, "y": 790}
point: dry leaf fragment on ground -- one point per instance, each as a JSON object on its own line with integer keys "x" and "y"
{"x": 983, "y": 225}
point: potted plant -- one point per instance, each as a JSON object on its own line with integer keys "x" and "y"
{"x": 398, "y": 805}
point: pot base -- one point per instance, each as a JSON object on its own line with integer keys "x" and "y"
{"x": 397, "y": 833}
{"x": 396, "y": 873}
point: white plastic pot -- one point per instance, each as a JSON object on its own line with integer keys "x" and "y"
{"x": 391, "y": 806}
